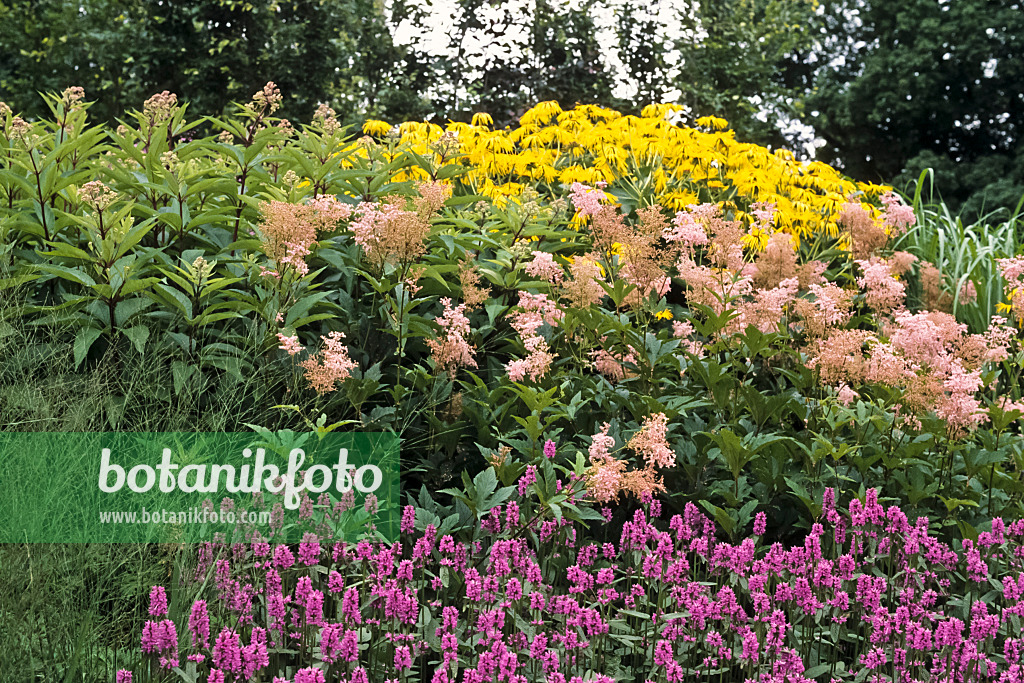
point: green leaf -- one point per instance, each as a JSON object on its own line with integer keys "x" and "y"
{"x": 83, "y": 342}
{"x": 182, "y": 373}
{"x": 71, "y": 274}
{"x": 138, "y": 334}
{"x": 485, "y": 483}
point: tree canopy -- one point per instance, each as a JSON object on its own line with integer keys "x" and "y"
{"x": 891, "y": 88}
{"x": 918, "y": 83}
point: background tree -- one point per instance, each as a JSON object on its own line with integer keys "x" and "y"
{"x": 907, "y": 85}
{"x": 504, "y": 57}
{"x": 210, "y": 52}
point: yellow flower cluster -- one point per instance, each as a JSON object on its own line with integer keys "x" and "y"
{"x": 674, "y": 165}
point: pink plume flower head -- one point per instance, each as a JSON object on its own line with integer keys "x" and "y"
{"x": 883, "y": 292}
{"x": 960, "y": 408}
{"x": 1012, "y": 269}
{"x": 764, "y": 213}
{"x": 968, "y": 293}
{"x": 585, "y": 199}
{"x": 601, "y": 444}
{"x": 123, "y": 676}
{"x": 310, "y": 675}
{"x": 449, "y": 349}
{"x": 330, "y": 365}
{"x": 898, "y": 216}
{"x": 289, "y": 344}
{"x": 549, "y": 449}
{"x": 651, "y": 441}
{"x": 686, "y": 230}
{"x": 544, "y": 267}
{"x": 158, "y": 602}
{"x": 846, "y": 395}
{"x": 682, "y": 329}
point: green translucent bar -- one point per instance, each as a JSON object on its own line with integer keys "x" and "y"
{"x": 169, "y": 487}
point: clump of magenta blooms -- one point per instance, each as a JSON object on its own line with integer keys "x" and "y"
{"x": 870, "y": 595}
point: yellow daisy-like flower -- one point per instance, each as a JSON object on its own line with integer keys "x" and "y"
{"x": 588, "y": 144}
{"x": 663, "y": 315}
{"x": 481, "y": 119}
{"x": 713, "y": 122}
{"x": 756, "y": 239}
{"x": 375, "y": 127}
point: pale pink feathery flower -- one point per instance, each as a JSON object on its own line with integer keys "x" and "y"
{"x": 887, "y": 367}
{"x": 535, "y": 365}
{"x": 1012, "y": 269}
{"x": 600, "y": 443}
{"x": 883, "y": 292}
{"x": 1006, "y": 404}
{"x": 543, "y": 266}
{"x": 364, "y": 227}
{"x": 768, "y": 307}
{"x": 998, "y": 338}
{"x": 288, "y": 230}
{"x": 645, "y": 286}
{"x": 926, "y": 338}
{"x": 651, "y": 441}
{"x": 605, "y": 478}
{"x": 537, "y": 310}
{"x": 613, "y": 365}
{"x": 695, "y": 347}
{"x": 764, "y": 213}
{"x": 390, "y": 232}
{"x": 898, "y": 216}
{"x": 902, "y": 262}
{"x": 604, "y": 482}
{"x": 289, "y": 344}
{"x": 830, "y": 308}
{"x": 450, "y": 350}
{"x": 584, "y": 288}
{"x": 330, "y": 365}
{"x": 686, "y": 230}
{"x": 586, "y": 199}
{"x": 968, "y": 293}
{"x": 846, "y": 395}
{"x": 960, "y": 409}
{"x": 682, "y": 328}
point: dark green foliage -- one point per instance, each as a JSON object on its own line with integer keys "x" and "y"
{"x": 926, "y": 84}
{"x": 736, "y": 71}
{"x": 218, "y": 51}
